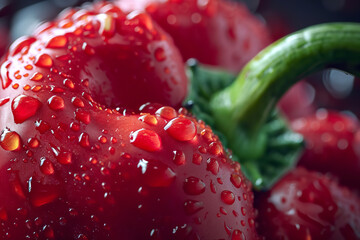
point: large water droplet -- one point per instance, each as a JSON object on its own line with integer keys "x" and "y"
{"x": 156, "y": 173}
{"x": 194, "y": 186}
{"x": 23, "y": 107}
{"x": 180, "y": 128}
{"x": 69, "y": 84}
{"x": 77, "y": 102}
{"x": 227, "y": 197}
{"x": 10, "y": 140}
{"x": 44, "y": 60}
{"x": 46, "y": 166}
{"x": 149, "y": 119}
{"x": 57, "y": 42}
{"x": 146, "y": 139}
{"x": 82, "y": 116}
{"x": 56, "y": 103}
{"x": 167, "y": 112}
{"x": 61, "y": 156}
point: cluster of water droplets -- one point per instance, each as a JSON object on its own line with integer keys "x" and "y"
{"x": 70, "y": 143}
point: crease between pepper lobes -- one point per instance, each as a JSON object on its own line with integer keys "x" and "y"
{"x": 243, "y": 111}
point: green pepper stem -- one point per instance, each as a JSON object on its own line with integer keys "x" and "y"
{"x": 249, "y": 100}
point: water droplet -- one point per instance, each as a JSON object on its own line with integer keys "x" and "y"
{"x": 223, "y": 211}
{"x": 111, "y": 150}
{"x": 236, "y": 180}
{"x": 84, "y": 140}
{"x": 243, "y": 211}
{"x": 102, "y": 139}
{"x": 36, "y": 88}
{"x": 44, "y": 60}
{"x": 227, "y": 197}
{"x": 82, "y": 116}
{"x": 56, "y": 89}
{"x": 62, "y": 221}
{"x": 68, "y": 83}
{"x": 3, "y": 101}
{"x": 197, "y": 159}
{"x": 73, "y": 212}
{"x": 23, "y": 107}
{"x": 17, "y": 75}
{"x": 166, "y": 112}
{"x": 179, "y": 157}
{"x": 56, "y": 103}
{"x": 61, "y": 156}
{"x": 212, "y": 166}
{"x": 82, "y": 237}
{"x": 238, "y": 235}
{"x": 46, "y": 166}
{"x": 160, "y": 54}
{"x": 48, "y": 232}
{"x": 28, "y": 67}
{"x": 41, "y": 194}
{"x": 207, "y": 135}
{"x": 212, "y": 187}
{"x": 57, "y": 42}
{"x": 215, "y": 148}
{"x": 236, "y": 214}
{"x": 156, "y": 173}
{"x": 146, "y": 139}
{"x": 155, "y": 234}
{"x": 149, "y": 119}
{"x": 77, "y": 102}
{"x": 180, "y": 128}
{"x": 42, "y": 126}
{"x": 194, "y": 186}
{"x": 192, "y": 206}
{"x": 88, "y": 49}
{"x": 251, "y": 222}
{"x": 9, "y": 140}
{"x": 245, "y": 196}
{"x": 74, "y": 126}
{"x": 202, "y": 149}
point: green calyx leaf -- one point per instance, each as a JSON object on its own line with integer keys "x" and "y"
{"x": 264, "y": 158}
{"x": 242, "y": 111}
